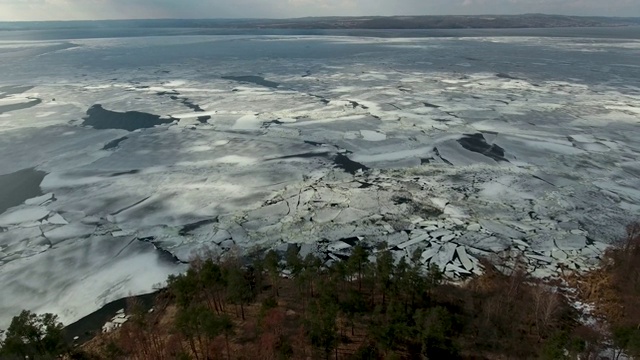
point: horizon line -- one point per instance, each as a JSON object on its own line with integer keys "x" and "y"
{"x": 319, "y": 17}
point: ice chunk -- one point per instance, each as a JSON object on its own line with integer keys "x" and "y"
{"x": 457, "y": 270}
{"x": 414, "y": 241}
{"x": 474, "y": 227}
{"x": 120, "y": 233}
{"x": 40, "y": 200}
{"x": 440, "y": 233}
{"x": 326, "y": 215}
{"x": 72, "y": 231}
{"x": 430, "y": 253}
{"x": 543, "y": 273}
{"x": 338, "y": 246}
{"x": 350, "y": 215}
{"x": 484, "y": 242}
{"x": 571, "y": 242}
{"x": 464, "y": 258}
{"x": 500, "y": 229}
{"x": 57, "y": 219}
{"x": 447, "y": 238}
{"x": 455, "y": 211}
{"x": 369, "y": 135}
{"x": 397, "y": 238}
{"x": 439, "y": 203}
{"x": 545, "y": 259}
{"x": 23, "y": 215}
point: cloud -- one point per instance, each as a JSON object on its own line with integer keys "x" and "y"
{"x": 127, "y": 9}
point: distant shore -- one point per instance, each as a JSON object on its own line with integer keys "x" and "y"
{"x": 526, "y": 21}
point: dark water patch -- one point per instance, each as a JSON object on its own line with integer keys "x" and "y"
{"x": 364, "y": 185}
{"x": 348, "y": 165}
{"x": 187, "y": 229}
{"x": 6, "y": 91}
{"x": 267, "y": 124}
{"x": 353, "y": 241}
{"x": 356, "y": 104}
{"x": 437, "y": 152}
{"x": 431, "y": 105}
{"x": 342, "y": 257}
{"x": 165, "y": 93}
{"x": 114, "y": 143}
{"x": 19, "y": 186}
{"x": 195, "y": 107}
{"x": 307, "y": 74}
{"x": 204, "y": 119}
{"x": 258, "y": 80}
{"x": 101, "y": 119}
{"x": 425, "y": 161}
{"x": 313, "y": 143}
{"x": 400, "y": 200}
{"x": 308, "y": 155}
{"x": 322, "y": 99}
{"x": 91, "y": 325}
{"x": 478, "y": 144}
{"x": 506, "y": 76}
{"x": 185, "y": 101}
{"x": 130, "y": 172}
{"x": 20, "y": 106}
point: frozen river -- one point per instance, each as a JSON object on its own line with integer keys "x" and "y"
{"x": 121, "y": 157}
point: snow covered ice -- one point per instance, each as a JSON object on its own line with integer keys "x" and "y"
{"x": 460, "y": 147}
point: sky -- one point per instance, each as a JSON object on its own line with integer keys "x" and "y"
{"x": 20, "y": 10}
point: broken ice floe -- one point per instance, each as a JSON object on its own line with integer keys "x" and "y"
{"x": 405, "y": 147}
{"x": 116, "y": 322}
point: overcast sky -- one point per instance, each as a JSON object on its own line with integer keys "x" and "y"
{"x": 11, "y": 10}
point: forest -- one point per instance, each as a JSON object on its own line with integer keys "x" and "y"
{"x": 281, "y": 306}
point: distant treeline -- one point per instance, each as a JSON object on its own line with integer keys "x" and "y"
{"x": 370, "y": 22}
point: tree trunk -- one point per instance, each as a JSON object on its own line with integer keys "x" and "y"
{"x": 226, "y": 341}
{"x": 384, "y": 298}
{"x": 192, "y": 344}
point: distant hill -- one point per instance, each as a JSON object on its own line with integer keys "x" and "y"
{"x": 368, "y": 22}
{"x": 445, "y": 22}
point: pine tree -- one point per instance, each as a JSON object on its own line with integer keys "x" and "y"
{"x": 384, "y": 271}
{"x": 34, "y": 336}
{"x": 322, "y": 326}
{"x": 239, "y": 290}
{"x": 272, "y": 264}
{"x": 357, "y": 262}
{"x": 213, "y": 281}
{"x": 227, "y": 329}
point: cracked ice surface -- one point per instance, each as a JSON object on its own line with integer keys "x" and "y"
{"x": 453, "y": 147}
